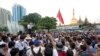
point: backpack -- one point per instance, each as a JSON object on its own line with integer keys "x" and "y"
{"x": 48, "y": 51}
{"x": 23, "y": 52}
{"x": 36, "y": 54}
{"x": 61, "y": 53}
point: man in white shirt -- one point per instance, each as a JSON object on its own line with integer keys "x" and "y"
{"x": 36, "y": 48}
{"x": 21, "y": 44}
{"x": 29, "y": 26}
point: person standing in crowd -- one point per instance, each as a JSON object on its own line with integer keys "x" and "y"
{"x": 11, "y": 45}
{"x": 29, "y": 27}
{"x": 28, "y": 39}
{"x": 50, "y": 44}
{"x": 21, "y": 44}
{"x": 14, "y": 52}
{"x": 36, "y": 49}
{"x": 98, "y": 50}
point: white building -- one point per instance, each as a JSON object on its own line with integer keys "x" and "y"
{"x": 5, "y": 16}
{"x": 68, "y": 27}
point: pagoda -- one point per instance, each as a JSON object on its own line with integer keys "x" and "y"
{"x": 74, "y": 21}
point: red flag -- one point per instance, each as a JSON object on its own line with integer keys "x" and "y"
{"x": 60, "y": 17}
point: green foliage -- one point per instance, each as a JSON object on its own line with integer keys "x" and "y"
{"x": 33, "y": 18}
{"x": 87, "y": 26}
{"x": 86, "y": 22}
{"x": 3, "y": 29}
{"x": 47, "y": 23}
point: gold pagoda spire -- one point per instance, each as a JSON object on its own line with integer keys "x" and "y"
{"x": 73, "y": 12}
{"x": 74, "y": 21}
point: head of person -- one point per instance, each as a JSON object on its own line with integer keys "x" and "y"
{"x": 31, "y": 43}
{"x": 22, "y": 37}
{"x": 83, "y": 47}
{"x": 79, "y": 39}
{"x": 48, "y": 49}
{"x": 14, "y": 52}
{"x": 98, "y": 39}
{"x": 8, "y": 34}
{"x": 63, "y": 41}
{"x": 5, "y": 38}
{"x": 72, "y": 45}
{"x": 98, "y": 47}
{"x": 70, "y": 52}
{"x": 74, "y": 39}
{"x": 11, "y": 44}
{"x": 13, "y": 38}
{"x": 87, "y": 41}
{"x": 60, "y": 46}
{"x": 28, "y": 37}
{"x": 20, "y": 32}
{"x": 37, "y": 43}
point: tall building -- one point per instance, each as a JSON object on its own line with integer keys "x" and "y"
{"x": 5, "y": 16}
{"x": 74, "y": 21}
{"x": 18, "y": 12}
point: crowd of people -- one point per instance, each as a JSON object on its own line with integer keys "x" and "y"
{"x": 50, "y": 44}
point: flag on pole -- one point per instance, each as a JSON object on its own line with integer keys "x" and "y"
{"x": 59, "y": 16}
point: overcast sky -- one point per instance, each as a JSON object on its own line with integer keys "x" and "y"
{"x": 83, "y": 8}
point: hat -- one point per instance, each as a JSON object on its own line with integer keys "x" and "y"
{"x": 28, "y": 36}
{"x": 36, "y": 42}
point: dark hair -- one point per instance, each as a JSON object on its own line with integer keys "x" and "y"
{"x": 48, "y": 50}
{"x": 22, "y": 37}
{"x": 5, "y": 38}
{"x": 14, "y": 51}
{"x": 8, "y": 34}
{"x": 83, "y": 47}
{"x": 20, "y": 32}
{"x": 11, "y": 44}
{"x": 79, "y": 39}
{"x": 72, "y": 45}
{"x": 13, "y": 38}
{"x": 98, "y": 45}
{"x": 98, "y": 38}
{"x": 74, "y": 38}
{"x": 88, "y": 41}
{"x": 70, "y": 52}
{"x": 63, "y": 41}
{"x": 31, "y": 43}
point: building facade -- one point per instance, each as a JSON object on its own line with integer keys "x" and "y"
{"x": 5, "y": 16}
{"x": 18, "y": 12}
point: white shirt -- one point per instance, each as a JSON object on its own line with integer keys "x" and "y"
{"x": 21, "y": 45}
{"x": 29, "y": 26}
{"x": 74, "y": 51}
{"x": 9, "y": 51}
{"x": 65, "y": 48}
{"x": 55, "y": 53}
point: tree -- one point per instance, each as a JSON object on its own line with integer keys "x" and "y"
{"x": 31, "y": 18}
{"x": 47, "y": 23}
{"x": 80, "y": 22}
{"x": 86, "y": 22}
{"x": 3, "y": 29}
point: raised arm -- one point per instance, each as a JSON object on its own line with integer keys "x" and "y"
{"x": 51, "y": 39}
